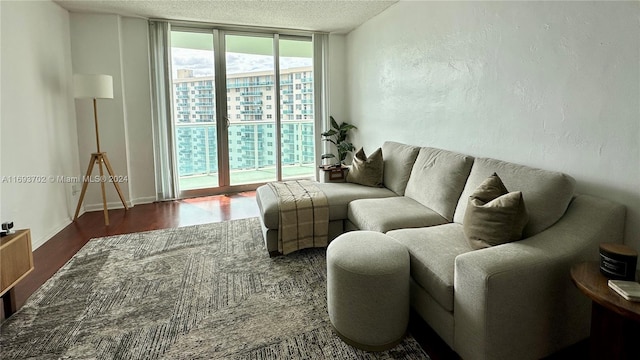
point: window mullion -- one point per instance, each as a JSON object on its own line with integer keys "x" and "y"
{"x": 276, "y": 84}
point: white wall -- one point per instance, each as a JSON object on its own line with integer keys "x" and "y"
{"x": 37, "y": 117}
{"x": 137, "y": 90}
{"x": 95, "y": 49}
{"x": 336, "y": 84}
{"x": 554, "y": 85}
{"x": 109, "y": 44}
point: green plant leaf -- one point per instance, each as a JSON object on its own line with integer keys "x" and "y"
{"x": 334, "y": 124}
{"x": 346, "y": 127}
{"x": 337, "y": 135}
{"x": 345, "y": 146}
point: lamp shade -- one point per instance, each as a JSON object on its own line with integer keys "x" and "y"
{"x": 92, "y": 86}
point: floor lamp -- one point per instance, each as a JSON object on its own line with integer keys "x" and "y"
{"x": 96, "y": 87}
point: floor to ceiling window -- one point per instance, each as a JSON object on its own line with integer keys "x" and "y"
{"x": 297, "y": 108}
{"x": 243, "y": 108}
{"x": 196, "y": 139}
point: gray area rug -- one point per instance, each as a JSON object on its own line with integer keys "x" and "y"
{"x": 199, "y": 292}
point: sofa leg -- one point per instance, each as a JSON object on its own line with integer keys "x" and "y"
{"x": 274, "y": 253}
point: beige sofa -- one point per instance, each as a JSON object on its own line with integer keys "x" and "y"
{"x": 511, "y": 301}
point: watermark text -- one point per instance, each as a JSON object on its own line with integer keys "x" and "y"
{"x": 61, "y": 179}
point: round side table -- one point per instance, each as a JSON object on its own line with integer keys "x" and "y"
{"x": 615, "y": 322}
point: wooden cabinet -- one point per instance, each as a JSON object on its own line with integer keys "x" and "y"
{"x": 16, "y": 261}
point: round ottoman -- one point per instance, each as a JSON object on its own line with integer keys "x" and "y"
{"x": 368, "y": 289}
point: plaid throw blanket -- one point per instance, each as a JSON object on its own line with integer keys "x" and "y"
{"x": 304, "y": 215}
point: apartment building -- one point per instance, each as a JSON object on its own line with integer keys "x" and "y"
{"x": 252, "y": 114}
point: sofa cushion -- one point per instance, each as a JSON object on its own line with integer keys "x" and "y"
{"x": 546, "y": 193}
{"x": 432, "y": 251}
{"x": 494, "y": 216}
{"x": 437, "y": 179}
{"x": 268, "y": 206}
{"x": 339, "y": 195}
{"x": 391, "y": 213}
{"x": 366, "y": 170}
{"x": 398, "y": 162}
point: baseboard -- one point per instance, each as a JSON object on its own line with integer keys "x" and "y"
{"x": 118, "y": 205}
{"x": 110, "y": 206}
{"x": 36, "y": 243}
{"x": 144, "y": 200}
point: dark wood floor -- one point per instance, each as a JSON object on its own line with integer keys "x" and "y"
{"x": 52, "y": 255}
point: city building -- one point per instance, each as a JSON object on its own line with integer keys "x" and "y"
{"x": 252, "y": 113}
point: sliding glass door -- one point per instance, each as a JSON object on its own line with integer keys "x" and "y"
{"x": 251, "y": 96}
{"x": 194, "y": 111}
{"x": 252, "y": 124}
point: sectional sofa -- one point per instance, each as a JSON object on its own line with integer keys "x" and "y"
{"x": 511, "y": 301}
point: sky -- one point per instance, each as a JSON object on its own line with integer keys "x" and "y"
{"x": 201, "y": 62}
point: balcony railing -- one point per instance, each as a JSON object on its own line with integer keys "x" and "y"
{"x": 256, "y": 160}
{"x": 231, "y": 85}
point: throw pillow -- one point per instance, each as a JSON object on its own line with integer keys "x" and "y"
{"x": 494, "y": 216}
{"x": 366, "y": 170}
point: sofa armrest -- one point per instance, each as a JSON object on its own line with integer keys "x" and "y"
{"x": 516, "y": 301}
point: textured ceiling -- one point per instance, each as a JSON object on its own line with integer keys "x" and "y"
{"x": 318, "y": 15}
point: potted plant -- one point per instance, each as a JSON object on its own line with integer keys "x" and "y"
{"x": 337, "y": 135}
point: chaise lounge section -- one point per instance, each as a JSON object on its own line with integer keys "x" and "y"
{"x": 339, "y": 195}
{"x": 513, "y": 300}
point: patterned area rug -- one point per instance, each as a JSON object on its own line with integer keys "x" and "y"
{"x": 199, "y": 292}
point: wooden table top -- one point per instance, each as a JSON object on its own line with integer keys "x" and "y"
{"x": 5, "y": 239}
{"x": 587, "y": 277}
